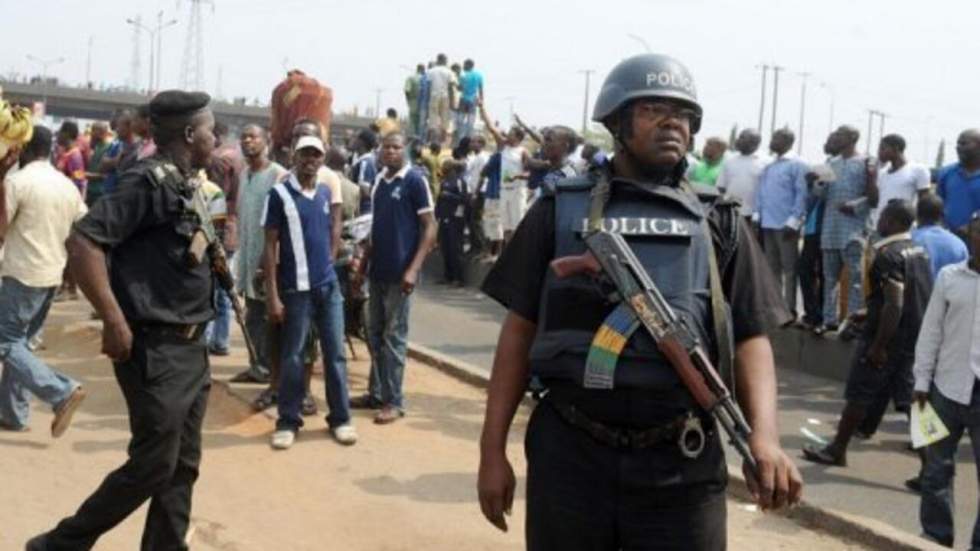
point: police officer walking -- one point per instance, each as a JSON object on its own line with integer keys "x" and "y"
{"x": 155, "y": 297}
{"x": 607, "y": 467}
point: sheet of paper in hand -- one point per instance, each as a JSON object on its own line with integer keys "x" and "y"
{"x": 926, "y": 426}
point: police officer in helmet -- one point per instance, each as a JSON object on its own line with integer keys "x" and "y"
{"x": 133, "y": 258}
{"x": 607, "y": 469}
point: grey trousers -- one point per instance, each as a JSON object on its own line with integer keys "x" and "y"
{"x": 783, "y": 252}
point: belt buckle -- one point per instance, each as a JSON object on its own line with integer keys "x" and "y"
{"x": 692, "y": 439}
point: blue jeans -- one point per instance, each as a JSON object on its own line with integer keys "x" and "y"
{"x": 324, "y": 308}
{"x": 937, "y": 506}
{"x": 23, "y": 310}
{"x": 218, "y": 329}
{"x": 833, "y": 261}
{"x": 388, "y": 310}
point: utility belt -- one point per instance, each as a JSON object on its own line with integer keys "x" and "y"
{"x": 687, "y": 430}
{"x": 189, "y": 332}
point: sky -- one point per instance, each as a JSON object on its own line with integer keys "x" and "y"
{"x": 913, "y": 60}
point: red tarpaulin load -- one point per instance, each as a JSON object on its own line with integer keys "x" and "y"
{"x": 298, "y": 97}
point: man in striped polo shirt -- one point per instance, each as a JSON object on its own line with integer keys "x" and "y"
{"x": 297, "y": 221}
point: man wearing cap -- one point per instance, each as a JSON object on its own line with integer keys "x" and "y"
{"x": 134, "y": 260}
{"x": 591, "y": 482}
{"x": 304, "y": 292}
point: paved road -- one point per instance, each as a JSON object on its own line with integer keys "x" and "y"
{"x": 465, "y": 324}
{"x": 404, "y": 487}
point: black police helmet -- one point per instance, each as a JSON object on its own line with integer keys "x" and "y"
{"x": 647, "y": 76}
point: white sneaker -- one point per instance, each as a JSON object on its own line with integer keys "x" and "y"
{"x": 345, "y": 434}
{"x": 283, "y": 439}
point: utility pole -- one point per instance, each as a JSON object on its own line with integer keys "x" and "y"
{"x": 775, "y": 94}
{"x": 159, "y": 32}
{"x": 377, "y": 103}
{"x": 762, "y": 102}
{"x": 799, "y": 142}
{"x": 136, "y": 58}
{"x": 881, "y": 124}
{"x": 833, "y": 98}
{"x": 88, "y": 61}
{"x": 585, "y": 106}
{"x": 155, "y": 44}
{"x": 871, "y": 116}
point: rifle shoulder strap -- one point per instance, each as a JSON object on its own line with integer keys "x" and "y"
{"x": 719, "y": 315}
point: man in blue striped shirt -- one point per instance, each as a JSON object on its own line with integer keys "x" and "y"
{"x": 305, "y": 291}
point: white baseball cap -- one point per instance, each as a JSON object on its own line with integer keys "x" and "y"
{"x": 310, "y": 141}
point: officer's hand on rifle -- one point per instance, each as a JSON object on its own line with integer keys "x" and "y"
{"x": 495, "y": 486}
{"x": 780, "y": 483}
{"x": 117, "y": 340}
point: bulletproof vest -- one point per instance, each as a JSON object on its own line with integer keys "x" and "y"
{"x": 664, "y": 227}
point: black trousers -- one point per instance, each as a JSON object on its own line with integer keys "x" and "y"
{"x": 165, "y": 383}
{"x": 810, "y": 268}
{"x": 585, "y": 496}
{"x": 451, "y": 247}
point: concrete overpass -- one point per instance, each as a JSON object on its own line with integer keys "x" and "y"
{"x": 70, "y": 102}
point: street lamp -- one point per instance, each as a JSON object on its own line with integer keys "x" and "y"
{"x": 642, "y": 42}
{"x": 155, "y": 37}
{"x": 45, "y": 63}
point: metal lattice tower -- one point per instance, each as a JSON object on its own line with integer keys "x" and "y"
{"x": 192, "y": 67}
{"x": 134, "y": 63}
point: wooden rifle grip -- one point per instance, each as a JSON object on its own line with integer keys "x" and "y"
{"x": 692, "y": 378}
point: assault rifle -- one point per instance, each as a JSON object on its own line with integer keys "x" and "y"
{"x": 609, "y": 256}
{"x": 206, "y": 242}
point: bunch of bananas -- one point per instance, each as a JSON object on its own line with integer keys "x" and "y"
{"x": 16, "y": 124}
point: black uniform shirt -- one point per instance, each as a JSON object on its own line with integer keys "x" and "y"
{"x": 906, "y": 263}
{"x": 517, "y": 279}
{"x": 148, "y": 261}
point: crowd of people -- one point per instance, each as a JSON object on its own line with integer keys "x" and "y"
{"x": 879, "y": 248}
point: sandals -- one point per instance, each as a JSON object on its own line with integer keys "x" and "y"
{"x": 265, "y": 400}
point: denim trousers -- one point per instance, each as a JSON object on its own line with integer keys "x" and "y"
{"x": 322, "y": 308}
{"x": 833, "y": 261}
{"x": 937, "y": 506}
{"x": 388, "y": 310}
{"x": 23, "y": 310}
{"x": 219, "y": 328}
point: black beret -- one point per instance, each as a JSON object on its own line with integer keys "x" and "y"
{"x": 177, "y": 103}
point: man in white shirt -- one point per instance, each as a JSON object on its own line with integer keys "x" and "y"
{"x": 475, "y": 162}
{"x": 947, "y": 365}
{"x": 739, "y": 175}
{"x": 39, "y": 207}
{"x": 897, "y": 177}
{"x": 441, "y": 81}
